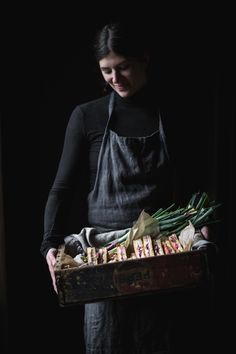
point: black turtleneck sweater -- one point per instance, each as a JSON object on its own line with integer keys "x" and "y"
{"x": 135, "y": 116}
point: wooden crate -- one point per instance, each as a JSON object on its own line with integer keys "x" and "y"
{"x": 129, "y": 278}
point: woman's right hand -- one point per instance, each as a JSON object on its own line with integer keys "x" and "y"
{"x": 51, "y": 261}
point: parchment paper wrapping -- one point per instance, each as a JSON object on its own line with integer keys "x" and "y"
{"x": 145, "y": 225}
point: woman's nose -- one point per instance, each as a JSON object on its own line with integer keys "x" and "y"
{"x": 115, "y": 76}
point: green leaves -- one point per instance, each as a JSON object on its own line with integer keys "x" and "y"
{"x": 199, "y": 210}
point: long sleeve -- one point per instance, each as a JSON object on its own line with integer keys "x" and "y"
{"x": 71, "y": 174}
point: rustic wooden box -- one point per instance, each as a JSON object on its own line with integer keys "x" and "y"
{"x": 132, "y": 277}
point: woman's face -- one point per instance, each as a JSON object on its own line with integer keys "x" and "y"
{"x": 125, "y": 75}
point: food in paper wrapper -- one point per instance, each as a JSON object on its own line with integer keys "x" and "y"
{"x": 68, "y": 262}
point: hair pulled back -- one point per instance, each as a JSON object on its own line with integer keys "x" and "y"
{"x": 121, "y": 38}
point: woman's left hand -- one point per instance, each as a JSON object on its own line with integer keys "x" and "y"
{"x": 206, "y": 233}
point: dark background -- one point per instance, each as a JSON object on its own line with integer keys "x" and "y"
{"x": 47, "y": 70}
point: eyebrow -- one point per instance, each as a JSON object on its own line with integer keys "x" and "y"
{"x": 117, "y": 65}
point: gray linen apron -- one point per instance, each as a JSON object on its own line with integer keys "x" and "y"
{"x": 129, "y": 177}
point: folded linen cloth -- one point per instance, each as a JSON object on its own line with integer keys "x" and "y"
{"x": 90, "y": 237}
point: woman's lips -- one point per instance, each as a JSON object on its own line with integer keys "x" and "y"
{"x": 120, "y": 88}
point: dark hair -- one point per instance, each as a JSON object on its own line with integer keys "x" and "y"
{"x": 121, "y": 38}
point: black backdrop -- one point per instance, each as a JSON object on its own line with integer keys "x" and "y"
{"x": 195, "y": 65}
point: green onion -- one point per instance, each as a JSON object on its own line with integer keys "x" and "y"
{"x": 199, "y": 211}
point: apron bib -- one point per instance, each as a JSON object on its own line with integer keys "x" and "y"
{"x": 130, "y": 176}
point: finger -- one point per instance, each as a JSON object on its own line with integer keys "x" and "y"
{"x": 54, "y": 284}
{"x": 52, "y": 273}
{"x": 205, "y": 232}
{"x": 51, "y": 263}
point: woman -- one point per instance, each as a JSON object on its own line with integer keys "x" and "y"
{"x": 116, "y": 152}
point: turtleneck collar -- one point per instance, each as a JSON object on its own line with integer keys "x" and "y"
{"x": 144, "y": 97}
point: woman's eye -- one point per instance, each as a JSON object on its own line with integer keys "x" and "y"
{"x": 124, "y": 67}
{"x": 106, "y": 71}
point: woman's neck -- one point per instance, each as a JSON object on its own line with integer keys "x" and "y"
{"x": 143, "y": 97}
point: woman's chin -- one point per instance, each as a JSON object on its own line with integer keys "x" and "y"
{"x": 123, "y": 93}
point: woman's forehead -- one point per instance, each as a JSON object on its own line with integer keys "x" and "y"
{"x": 112, "y": 59}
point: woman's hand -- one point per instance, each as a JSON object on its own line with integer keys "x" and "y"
{"x": 51, "y": 261}
{"x": 205, "y": 233}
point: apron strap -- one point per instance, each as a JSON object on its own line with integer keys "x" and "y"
{"x": 111, "y": 103}
{"x": 110, "y": 110}
{"x": 163, "y": 137}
